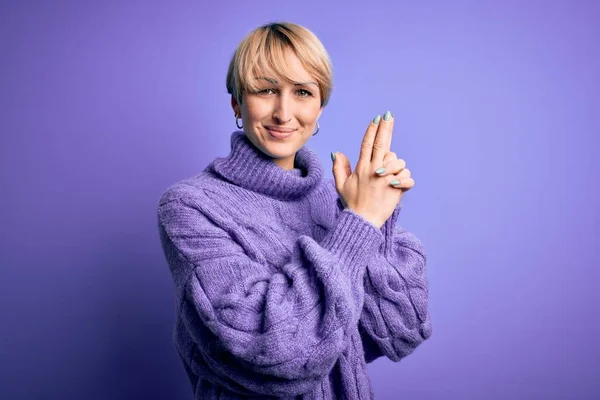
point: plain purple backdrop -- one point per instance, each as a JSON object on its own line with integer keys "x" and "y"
{"x": 497, "y": 105}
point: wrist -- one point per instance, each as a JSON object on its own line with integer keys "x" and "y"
{"x": 371, "y": 220}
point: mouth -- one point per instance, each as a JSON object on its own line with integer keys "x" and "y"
{"x": 279, "y": 132}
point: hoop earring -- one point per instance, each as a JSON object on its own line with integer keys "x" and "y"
{"x": 318, "y": 127}
{"x": 237, "y": 123}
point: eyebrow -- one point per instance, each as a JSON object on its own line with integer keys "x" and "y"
{"x": 274, "y": 81}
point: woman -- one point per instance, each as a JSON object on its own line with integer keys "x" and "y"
{"x": 287, "y": 284}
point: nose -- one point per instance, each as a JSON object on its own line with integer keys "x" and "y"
{"x": 282, "y": 111}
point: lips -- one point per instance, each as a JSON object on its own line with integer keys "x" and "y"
{"x": 280, "y": 133}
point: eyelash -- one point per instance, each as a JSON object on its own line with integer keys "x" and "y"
{"x": 308, "y": 93}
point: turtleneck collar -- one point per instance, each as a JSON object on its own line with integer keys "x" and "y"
{"x": 248, "y": 167}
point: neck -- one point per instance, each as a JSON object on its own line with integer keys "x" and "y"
{"x": 286, "y": 163}
{"x": 285, "y": 179}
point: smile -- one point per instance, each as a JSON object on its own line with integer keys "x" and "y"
{"x": 280, "y": 133}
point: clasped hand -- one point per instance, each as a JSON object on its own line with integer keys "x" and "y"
{"x": 379, "y": 179}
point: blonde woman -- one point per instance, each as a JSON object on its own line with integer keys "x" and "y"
{"x": 289, "y": 284}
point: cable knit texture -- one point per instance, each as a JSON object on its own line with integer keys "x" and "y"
{"x": 281, "y": 293}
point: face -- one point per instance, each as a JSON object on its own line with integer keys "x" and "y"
{"x": 280, "y": 117}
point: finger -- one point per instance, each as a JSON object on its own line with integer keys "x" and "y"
{"x": 384, "y": 169}
{"x": 382, "y": 140}
{"x": 389, "y": 146}
{"x": 346, "y": 163}
{"x": 340, "y": 170}
{"x": 403, "y": 174}
{"x": 405, "y": 184}
{"x": 366, "y": 147}
{"x": 389, "y": 157}
{"x": 389, "y": 142}
{"x": 391, "y": 168}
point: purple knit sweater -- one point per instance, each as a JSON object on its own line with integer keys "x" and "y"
{"x": 280, "y": 291}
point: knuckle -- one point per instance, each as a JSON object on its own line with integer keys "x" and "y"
{"x": 366, "y": 144}
{"x": 361, "y": 169}
{"x": 358, "y": 168}
{"x": 389, "y": 157}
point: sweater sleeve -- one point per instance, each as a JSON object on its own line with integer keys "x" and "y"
{"x": 261, "y": 329}
{"x": 395, "y": 317}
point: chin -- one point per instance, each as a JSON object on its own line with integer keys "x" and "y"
{"x": 276, "y": 148}
{"x": 279, "y": 150}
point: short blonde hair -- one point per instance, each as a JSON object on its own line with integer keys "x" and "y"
{"x": 263, "y": 50}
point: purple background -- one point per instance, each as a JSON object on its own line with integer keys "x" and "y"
{"x": 103, "y": 106}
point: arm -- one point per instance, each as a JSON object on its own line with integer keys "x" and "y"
{"x": 265, "y": 330}
{"x": 395, "y": 318}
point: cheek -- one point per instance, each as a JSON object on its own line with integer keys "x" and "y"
{"x": 309, "y": 114}
{"x": 250, "y": 106}
{"x": 257, "y": 111}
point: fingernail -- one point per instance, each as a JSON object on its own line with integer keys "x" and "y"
{"x": 380, "y": 170}
{"x": 332, "y": 156}
{"x": 376, "y": 119}
{"x": 395, "y": 182}
{"x": 387, "y": 116}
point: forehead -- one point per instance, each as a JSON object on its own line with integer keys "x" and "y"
{"x": 288, "y": 67}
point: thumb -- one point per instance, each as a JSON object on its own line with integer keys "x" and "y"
{"x": 341, "y": 169}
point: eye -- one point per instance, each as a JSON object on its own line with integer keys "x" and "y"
{"x": 304, "y": 93}
{"x": 267, "y": 91}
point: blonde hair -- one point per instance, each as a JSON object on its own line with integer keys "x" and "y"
{"x": 263, "y": 50}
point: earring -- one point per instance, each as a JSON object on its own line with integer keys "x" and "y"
{"x": 318, "y": 127}
{"x": 237, "y": 123}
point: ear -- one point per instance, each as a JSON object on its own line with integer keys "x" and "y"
{"x": 235, "y": 106}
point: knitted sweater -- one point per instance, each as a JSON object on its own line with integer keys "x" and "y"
{"x": 280, "y": 291}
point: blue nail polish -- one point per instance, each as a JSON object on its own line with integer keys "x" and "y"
{"x": 387, "y": 116}
{"x": 332, "y": 156}
{"x": 395, "y": 182}
{"x": 376, "y": 119}
{"x": 380, "y": 170}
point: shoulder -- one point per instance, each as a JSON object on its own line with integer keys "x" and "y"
{"x": 219, "y": 201}
{"x": 199, "y": 192}
{"x": 187, "y": 188}
{"x": 203, "y": 186}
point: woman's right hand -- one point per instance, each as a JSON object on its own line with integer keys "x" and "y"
{"x": 363, "y": 191}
